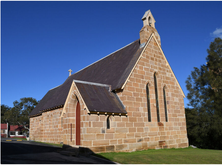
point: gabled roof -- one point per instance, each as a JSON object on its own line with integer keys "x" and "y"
{"x": 113, "y": 70}
{"x": 99, "y": 99}
{"x": 16, "y": 128}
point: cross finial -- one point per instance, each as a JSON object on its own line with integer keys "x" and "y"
{"x": 70, "y": 71}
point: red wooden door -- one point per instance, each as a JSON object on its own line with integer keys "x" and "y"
{"x": 78, "y": 124}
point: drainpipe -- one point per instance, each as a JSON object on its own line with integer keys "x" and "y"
{"x": 7, "y": 131}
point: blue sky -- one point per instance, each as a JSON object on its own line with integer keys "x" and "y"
{"x": 41, "y": 41}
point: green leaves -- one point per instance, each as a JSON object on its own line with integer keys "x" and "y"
{"x": 204, "y": 118}
{"x": 20, "y": 111}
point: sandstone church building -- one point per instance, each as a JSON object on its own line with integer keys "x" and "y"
{"x": 129, "y": 100}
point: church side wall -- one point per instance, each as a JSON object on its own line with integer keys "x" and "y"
{"x": 47, "y": 127}
{"x": 52, "y": 126}
{"x": 35, "y": 131}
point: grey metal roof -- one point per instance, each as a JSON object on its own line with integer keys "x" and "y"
{"x": 99, "y": 98}
{"x": 112, "y": 70}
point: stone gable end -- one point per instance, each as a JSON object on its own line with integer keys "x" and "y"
{"x": 134, "y": 97}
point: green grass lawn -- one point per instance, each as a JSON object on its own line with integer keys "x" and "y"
{"x": 58, "y": 145}
{"x": 167, "y": 156}
{"x": 19, "y": 138}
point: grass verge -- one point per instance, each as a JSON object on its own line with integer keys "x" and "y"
{"x": 166, "y": 156}
{"x": 19, "y": 138}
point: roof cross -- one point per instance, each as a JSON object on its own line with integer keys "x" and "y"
{"x": 70, "y": 72}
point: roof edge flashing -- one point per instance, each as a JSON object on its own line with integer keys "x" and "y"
{"x": 93, "y": 83}
{"x": 55, "y": 87}
{"x": 120, "y": 101}
{"x": 142, "y": 45}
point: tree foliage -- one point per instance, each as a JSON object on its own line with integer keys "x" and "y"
{"x": 19, "y": 113}
{"x": 204, "y": 118}
{"x": 4, "y": 109}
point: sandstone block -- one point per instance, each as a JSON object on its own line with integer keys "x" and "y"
{"x": 138, "y": 124}
{"x": 99, "y": 136}
{"x": 93, "y": 118}
{"x": 110, "y": 148}
{"x": 129, "y": 140}
{"x": 111, "y": 130}
{"x": 152, "y": 133}
{"x": 135, "y": 146}
{"x": 98, "y": 149}
{"x": 132, "y": 119}
{"x": 139, "y": 129}
{"x": 122, "y": 147}
{"x": 97, "y": 124}
{"x": 113, "y": 142}
{"x": 100, "y": 142}
{"x": 122, "y": 130}
{"x": 119, "y": 135}
{"x": 183, "y": 145}
{"x": 138, "y": 134}
{"x": 93, "y": 130}
{"x": 130, "y": 135}
{"x": 154, "y": 129}
{"x": 121, "y": 124}
{"x": 109, "y": 136}
{"x": 89, "y": 137}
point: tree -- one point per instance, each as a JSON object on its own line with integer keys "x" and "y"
{"x": 4, "y": 109}
{"x": 204, "y": 118}
{"x": 19, "y": 113}
{"x": 27, "y": 104}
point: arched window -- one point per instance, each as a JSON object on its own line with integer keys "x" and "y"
{"x": 157, "y": 101}
{"x": 148, "y": 102}
{"x": 108, "y": 122}
{"x": 165, "y": 105}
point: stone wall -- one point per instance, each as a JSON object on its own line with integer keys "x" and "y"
{"x": 47, "y": 127}
{"x": 135, "y": 132}
{"x": 130, "y": 133}
{"x": 35, "y": 131}
{"x": 160, "y": 134}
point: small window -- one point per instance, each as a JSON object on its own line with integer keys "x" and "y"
{"x": 20, "y": 133}
{"x": 165, "y": 105}
{"x": 108, "y": 122}
{"x": 12, "y": 133}
{"x": 150, "y": 21}
{"x": 148, "y": 102}
{"x": 157, "y": 101}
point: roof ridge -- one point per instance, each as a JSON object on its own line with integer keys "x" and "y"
{"x": 106, "y": 56}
